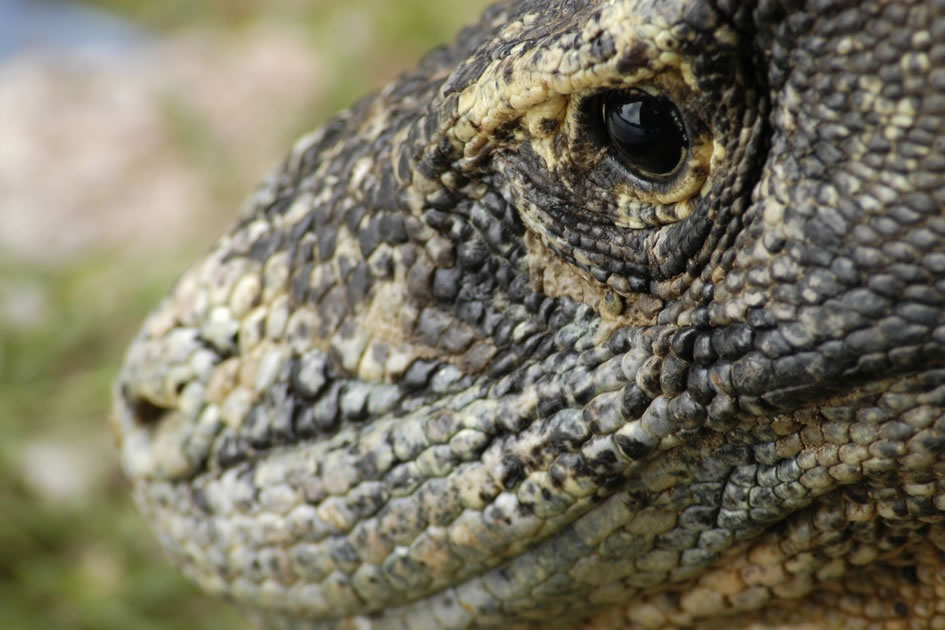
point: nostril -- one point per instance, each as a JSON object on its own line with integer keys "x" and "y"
{"x": 145, "y": 412}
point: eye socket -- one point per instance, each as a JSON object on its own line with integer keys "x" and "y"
{"x": 647, "y": 132}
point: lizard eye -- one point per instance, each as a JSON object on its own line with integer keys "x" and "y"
{"x": 647, "y": 132}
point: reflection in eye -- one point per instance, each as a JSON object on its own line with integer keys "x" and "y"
{"x": 647, "y": 131}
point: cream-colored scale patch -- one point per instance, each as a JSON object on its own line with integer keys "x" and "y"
{"x": 387, "y": 345}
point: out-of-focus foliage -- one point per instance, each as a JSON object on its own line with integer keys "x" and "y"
{"x": 112, "y": 179}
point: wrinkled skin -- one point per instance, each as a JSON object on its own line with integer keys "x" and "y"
{"x": 457, "y": 366}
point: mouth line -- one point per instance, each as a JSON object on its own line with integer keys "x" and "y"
{"x": 793, "y": 398}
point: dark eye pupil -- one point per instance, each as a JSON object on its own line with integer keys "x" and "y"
{"x": 646, "y": 130}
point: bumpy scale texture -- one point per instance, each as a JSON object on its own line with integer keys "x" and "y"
{"x": 456, "y": 366}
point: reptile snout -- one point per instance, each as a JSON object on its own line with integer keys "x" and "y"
{"x": 158, "y": 397}
{"x": 630, "y": 309}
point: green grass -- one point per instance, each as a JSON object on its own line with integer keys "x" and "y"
{"x": 89, "y": 561}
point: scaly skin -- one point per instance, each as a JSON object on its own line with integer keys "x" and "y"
{"x": 456, "y": 366}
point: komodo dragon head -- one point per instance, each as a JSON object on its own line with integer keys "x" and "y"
{"x": 622, "y": 314}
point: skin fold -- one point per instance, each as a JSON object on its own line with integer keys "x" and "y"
{"x": 460, "y": 363}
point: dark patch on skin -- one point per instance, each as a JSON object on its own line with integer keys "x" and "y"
{"x": 431, "y": 326}
{"x": 438, "y": 219}
{"x": 322, "y": 281}
{"x": 280, "y": 205}
{"x": 369, "y": 237}
{"x": 353, "y": 405}
{"x": 495, "y": 514}
{"x": 419, "y": 281}
{"x": 549, "y": 125}
{"x": 513, "y": 473}
{"x": 471, "y": 311}
{"x": 418, "y": 374}
{"x": 605, "y": 460}
{"x": 456, "y": 339}
{"x": 264, "y": 247}
{"x": 199, "y": 497}
{"x": 910, "y": 574}
{"x": 255, "y": 428}
{"x": 298, "y": 232}
{"x": 608, "y": 485}
{"x": 392, "y": 229}
{"x": 431, "y": 123}
{"x": 683, "y": 343}
{"x": 466, "y": 75}
{"x": 327, "y": 237}
{"x": 404, "y": 166}
{"x": 359, "y": 284}
{"x": 354, "y": 216}
{"x": 333, "y": 309}
{"x": 506, "y": 131}
{"x": 301, "y": 283}
{"x": 232, "y": 450}
{"x": 345, "y": 555}
{"x": 602, "y": 46}
{"x": 548, "y": 406}
{"x": 631, "y": 448}
{"x": 446, "y": 283}
{"x": 331, "y": 133}
{"x": 637, "y": 56}
{"x": 346, "y": 265}
{"x": 325, "y": 414}
{"x": 303, "y": 422}
{"x": 367, "y": 467}
{"x": 281, "y": 400}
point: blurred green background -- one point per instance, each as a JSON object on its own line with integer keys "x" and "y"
{"x": 127, "y": 139}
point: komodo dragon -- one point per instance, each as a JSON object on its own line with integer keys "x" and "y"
{"x": 623, "y": 313}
